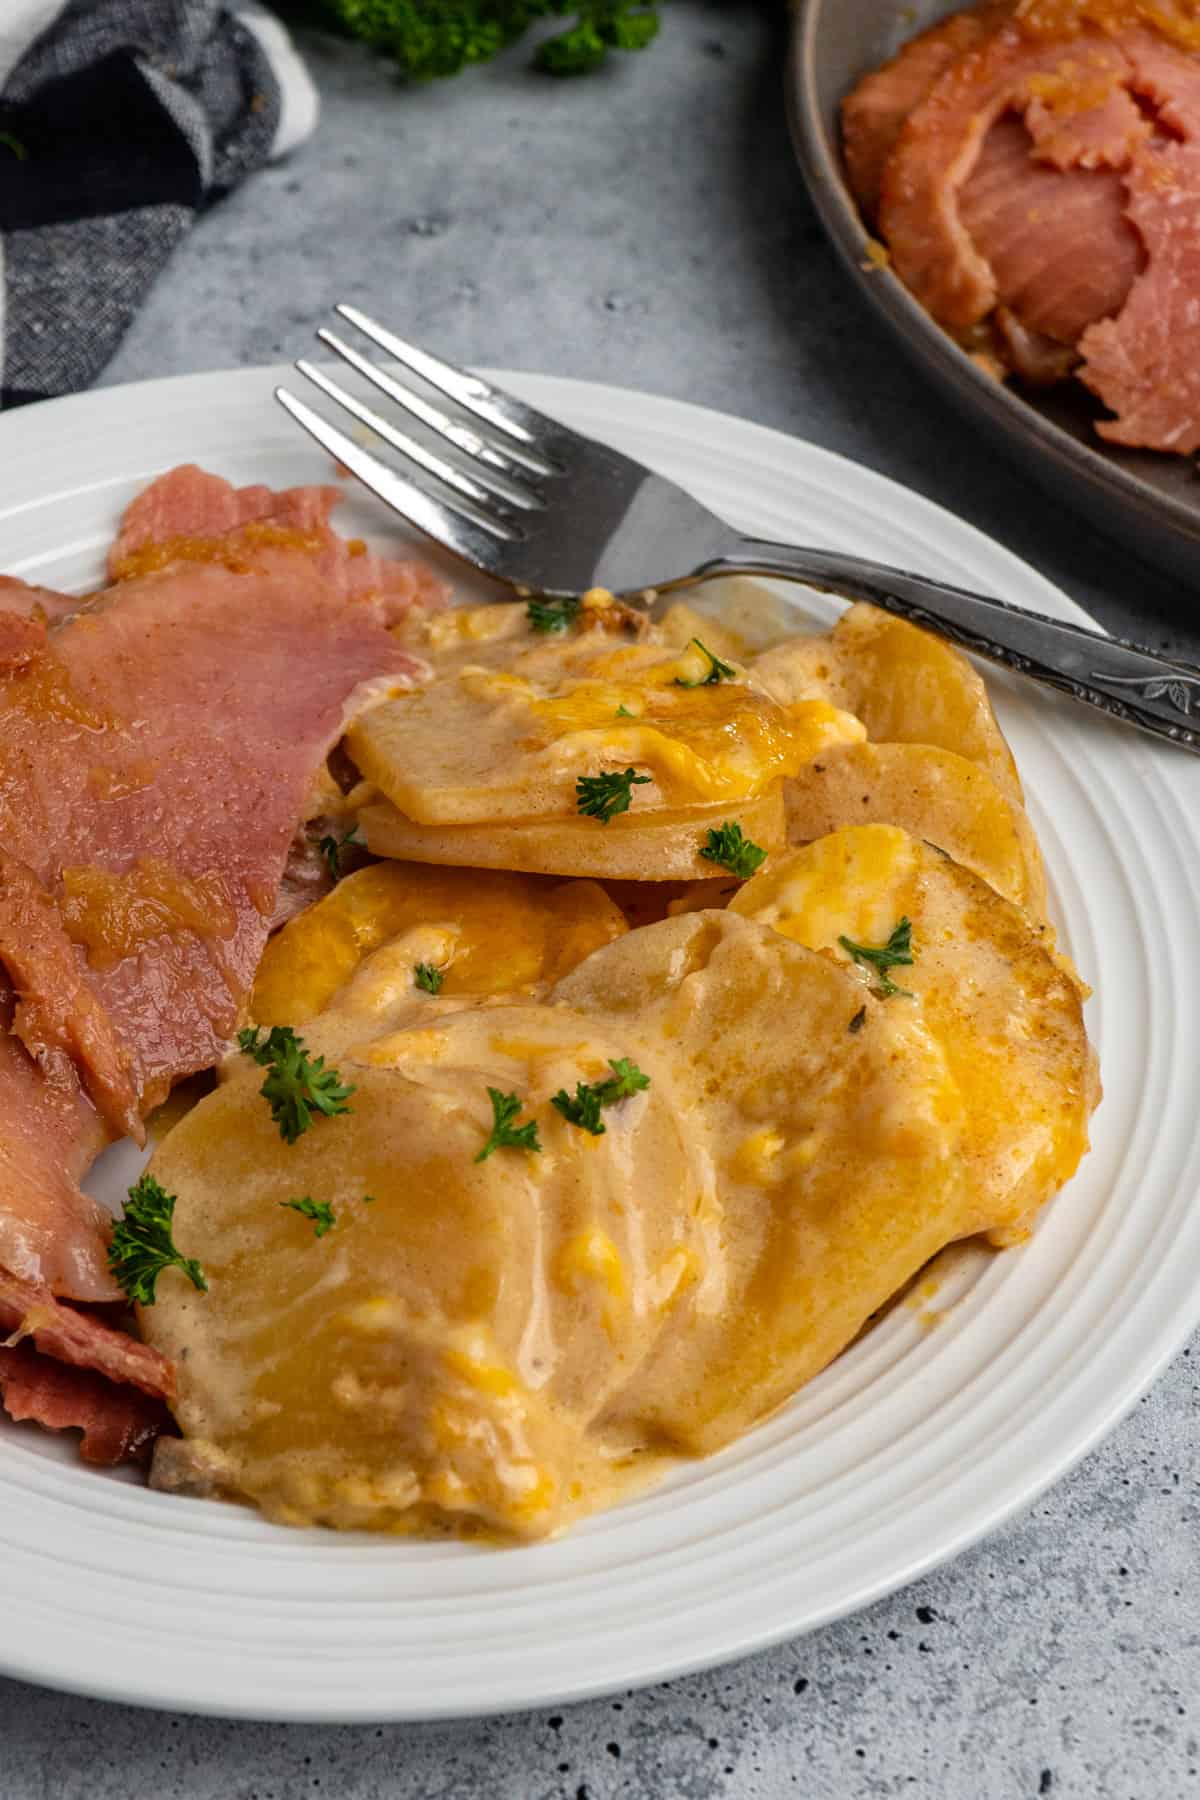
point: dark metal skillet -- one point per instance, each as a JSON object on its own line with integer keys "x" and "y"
{"x": 1151, "y": 502}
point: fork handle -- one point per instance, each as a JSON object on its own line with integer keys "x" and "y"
{"x": 1130, "y": 683}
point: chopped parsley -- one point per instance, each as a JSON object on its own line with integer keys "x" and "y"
{"x": 319, "y": 1211}
{"x": 15, "y": 145}
{"x": 505, "y": 1134}
{"x": 623, "y": 712}
{"x": 717, "y": 670}
{"x": 142, "y": 1245}
{"x": 896, "y": 953}
{"x": 331, "y": 849}
{"x": 727, "y": 846}
{"x": 592, "y": 1097}
{"x": 553, "y": 615}
{"x": 604, "y": 796}
{"x": 297, "y": 1085}
{"x": 428, "y": 978}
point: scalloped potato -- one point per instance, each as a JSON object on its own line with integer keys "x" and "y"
{"x": 626, "y": 1164}
{"x": 503, "y": 1343}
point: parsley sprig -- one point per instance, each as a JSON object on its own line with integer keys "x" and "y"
{"x": 604, "y": 796}
{"x": 896, "y": 953}
{"x": 429, "y": 978}
{"x": 505, "y": 1134}
{"x": 297, "y": 1084}
{"x": 727, "y": 846}
{"x": 319, "y": 1211}
{"x": 717, "y": 670}
{"x": 590, "y": 1098}
{"x": 553, "y": 615}
{"x": 142, "y": 1245}
{"x": 331, "y": 849}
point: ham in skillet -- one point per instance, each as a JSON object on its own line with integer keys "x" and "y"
{"x": 158, "y": 747}
{"x": 1022, "y": 162}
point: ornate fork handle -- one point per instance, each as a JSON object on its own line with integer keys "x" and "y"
{"x": 1160, "y": 696}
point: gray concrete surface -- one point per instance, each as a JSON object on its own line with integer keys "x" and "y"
{"x": 648, "y": 228}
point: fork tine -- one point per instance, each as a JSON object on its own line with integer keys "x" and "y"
{"x": 486, "y": 499}
{"x": 509, "y": 461}
{"x": 504, "y": 411}
{"x": 475, "y": 539}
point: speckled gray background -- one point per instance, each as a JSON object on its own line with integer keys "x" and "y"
{"x": 648, "y": 228}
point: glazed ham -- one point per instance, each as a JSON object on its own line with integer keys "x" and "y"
{"x": 119, "y": 1423}
{"x": 1023, "y": 165}
{"x": 160, "y": 744}
{"x": 189, "y": 515}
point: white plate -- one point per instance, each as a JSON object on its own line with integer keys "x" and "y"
{"x": 910, "y": 1446}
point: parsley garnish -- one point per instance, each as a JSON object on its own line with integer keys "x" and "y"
{"x": 506, "y": 1135}
{"x": 591, "y": 1097}
{"x": 623, "y": 712}
{"x": 553, "y": 615}
{"x": 604, "y": 796}
{"x": 726, "y": 845}
{"x": 717, "y": 670}
{"x": 331, "y": 849}
{"x": 428, "y": 979}
{"x": 319, "y": 1211}
{"x": 15, "y": 145}
{"x": 298, "y": 1085}
{"x": 896, "y": 953}
{"x": 142, "y": 1245}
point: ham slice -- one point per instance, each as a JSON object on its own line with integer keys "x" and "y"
{"x": 31, "y": 1313}
{"x": 20, "y": 597}
{"x": 159, "y": 753}
{"x": 1082, "y": 119}
{"x": 188, "y": 515}
{"x": 1056, "y": 242}
{"x": 119, "y": 1423}
{"x": 51, "y": 1235}
{"x": 1145, "y": 364}
{"x": 873, "y": 116}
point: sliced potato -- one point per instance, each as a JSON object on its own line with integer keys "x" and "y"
{"x": 907, "y": 687}
{"x": 504, "y": 933}
{"x": 637, "y": 846}
{"x": 934, "y": 794}
{"x": 490, "y": 744}
{"x": 833, "y": 1153}
{"x": 1006, "y": 1010}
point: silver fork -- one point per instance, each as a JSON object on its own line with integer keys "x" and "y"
{"x": 553, "y": 513}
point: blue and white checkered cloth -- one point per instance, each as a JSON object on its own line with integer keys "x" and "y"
{"x": 120, "y": 120}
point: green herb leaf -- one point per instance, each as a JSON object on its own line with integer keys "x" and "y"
{"x": 623, "y": 712}
{"x": 553, "y": 615}
{"x": 505, "y": 1134}
{"x": 717, "y": 670}
{"x": 727, "y": 846}
{"x": 142, "y": 1245}
{"x": 15, "y": 145}
{"x": 298, "y": 1085}
{"x": 331, "y": 849}
{"x": 428, "y": 978}
{"x": 430, "y": 38}
{"x": 590, "y": 1098}
{"x": 319, "y": 1211}
{"x": 896, "y": 953}
{"x": 604, "y": 796}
